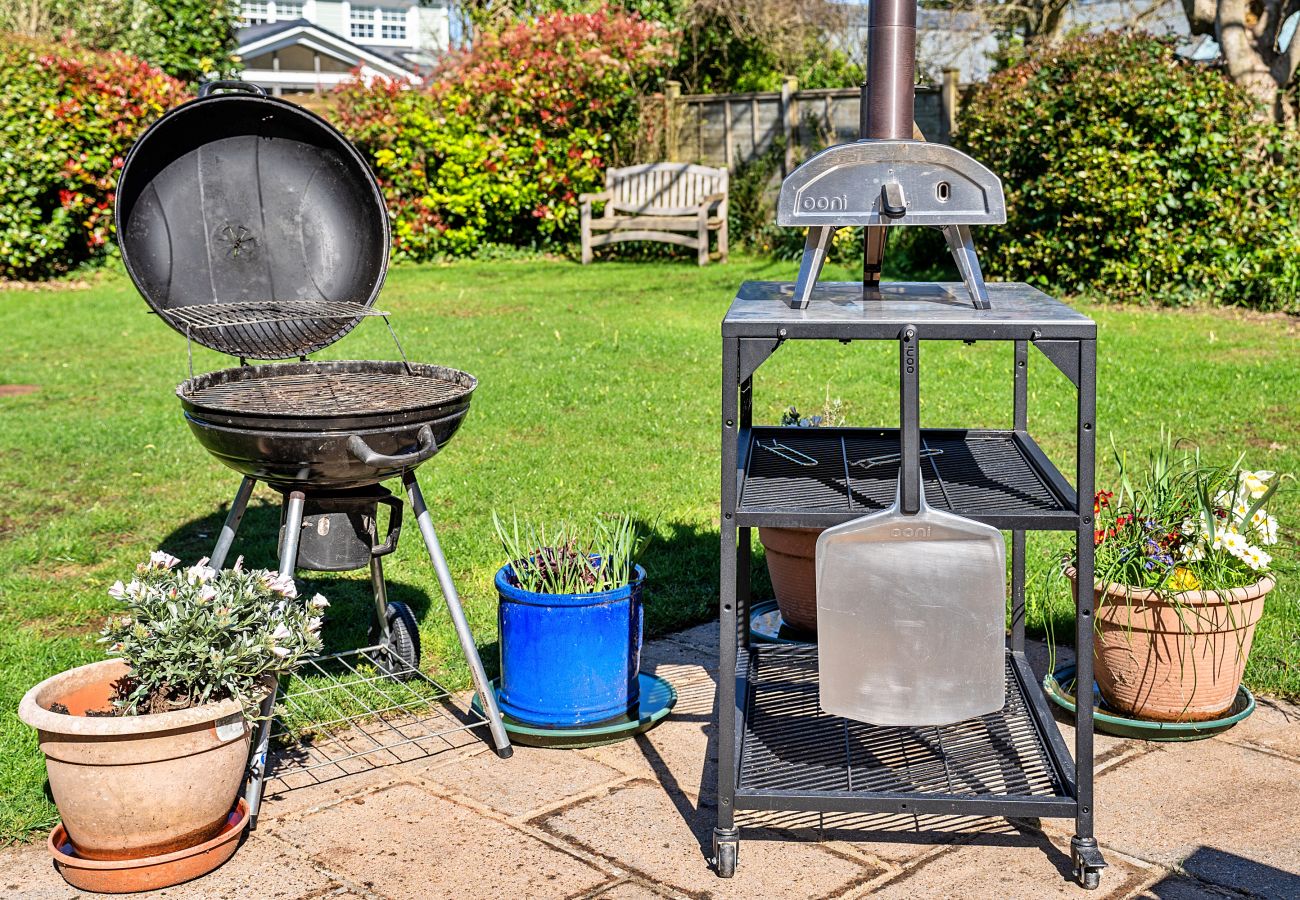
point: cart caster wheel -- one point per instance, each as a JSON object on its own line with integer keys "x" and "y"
{"x": 1088, "y": 862}
{"x": 726, "y": 859}
{"x": 403, "y": 645}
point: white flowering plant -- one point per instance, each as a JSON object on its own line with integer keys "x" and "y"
{"x": 197, "y": 635}
{"x": 1180, "y": 525}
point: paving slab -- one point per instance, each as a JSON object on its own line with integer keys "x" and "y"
{"x": 1036, "y": 868}
{"x": 661, "y": 838}
{"x": 405, "y": 842}
{"x": 531, "y": 780}
{"x": 679, "y": 753}
{"x": 1235, "y": 807}
{"x": 1177, "y": 887}
{"x": 628, "y": 890}
{"x": 704, "y": 636}
{"x": 263, "y": 867}
{"x": 1274, "y": 726}
{"x": 29, "y": 873}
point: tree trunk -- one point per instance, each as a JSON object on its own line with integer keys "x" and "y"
{"x": 1247, "y": 32}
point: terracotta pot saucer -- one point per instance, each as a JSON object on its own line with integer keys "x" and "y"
{"x": 149, "y": 873}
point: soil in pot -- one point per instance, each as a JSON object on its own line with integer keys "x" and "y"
{"x": 1177, "y": 659}
{"x": 135, "y": 786}
{"x": 792, "y": 565}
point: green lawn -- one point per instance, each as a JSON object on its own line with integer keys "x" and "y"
{"x": 599, "y": 390}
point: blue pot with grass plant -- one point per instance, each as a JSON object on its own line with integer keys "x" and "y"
{"x": 570, "y": 622}
{"x": 569, "y": 660}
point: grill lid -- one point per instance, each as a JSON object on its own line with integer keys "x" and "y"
{"x": 251, "y": 225}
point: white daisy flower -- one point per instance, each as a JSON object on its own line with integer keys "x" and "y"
{"x": 281, "y": 632}
{"x": 281, "y": 652}
{"x": 1234, "y": 543}
{"x": 117, "y": 591}
{"x": 319, "y": 602}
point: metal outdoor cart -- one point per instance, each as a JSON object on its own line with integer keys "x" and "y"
{"x": 777, "y": 749}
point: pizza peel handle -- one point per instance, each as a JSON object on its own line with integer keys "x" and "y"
{"x": 911, "y": 606}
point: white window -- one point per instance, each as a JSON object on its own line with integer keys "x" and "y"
{"x": 363, "y": 22}
{"x": 392, "y": 24}
{"x": 254, "y": 12}
{"x": 287, "y": 12}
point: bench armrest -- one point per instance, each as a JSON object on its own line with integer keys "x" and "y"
{"x": 713, "y": 201}
{"x": 596, "y": 197}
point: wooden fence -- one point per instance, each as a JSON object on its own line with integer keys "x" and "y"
{"x": 727, "y": 130}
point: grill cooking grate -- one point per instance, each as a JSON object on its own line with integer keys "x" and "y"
{"x": 791, "y": 745}
{"x": 984, "y": 473}
{"x": 268, "y": 329}
{"x": 329, "y": 393}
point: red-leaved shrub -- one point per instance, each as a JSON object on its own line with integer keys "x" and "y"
{"x": 67, "y": 118}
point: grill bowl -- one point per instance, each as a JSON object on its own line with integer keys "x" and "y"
{"x": 290, "y": 424}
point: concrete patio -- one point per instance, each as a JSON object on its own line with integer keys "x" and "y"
{"x": 1216, "y": 818}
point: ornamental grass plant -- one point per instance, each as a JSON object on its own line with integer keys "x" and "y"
{"x": 199, "y": 635}
{"x": 572, "y": 558}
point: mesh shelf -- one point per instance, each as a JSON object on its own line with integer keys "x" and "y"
{"x": 349, "y": 712}
{"x": 791, "y": 745}
{"x": 843, "y": 473}
{"x": 258, "y": 312}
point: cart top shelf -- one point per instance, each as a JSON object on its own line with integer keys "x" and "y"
{"x": 939, "y": 310}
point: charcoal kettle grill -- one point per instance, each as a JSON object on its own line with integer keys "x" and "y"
{"x": 253, "y": 228}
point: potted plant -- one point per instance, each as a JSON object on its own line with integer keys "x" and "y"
{"x": 1181, "y": 573}
{"x": 570, "y": 621}
{"x": 146, "y": 751}
{"x": 791, "y": 552}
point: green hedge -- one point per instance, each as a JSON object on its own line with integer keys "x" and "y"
{"x": 67, "y": 118}
{"x": 1131, "y": 173}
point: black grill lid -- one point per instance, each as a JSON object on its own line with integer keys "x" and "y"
{"x": 251, "y": 225}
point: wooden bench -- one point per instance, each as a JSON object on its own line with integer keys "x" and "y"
{"x": 676, "y": 203}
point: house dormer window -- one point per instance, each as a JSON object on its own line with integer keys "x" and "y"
{"x": 363, "y": 22}
{"x": 252, "y": 12}
{"x": 392, "y": 24}
{"x": 260, "y": 12}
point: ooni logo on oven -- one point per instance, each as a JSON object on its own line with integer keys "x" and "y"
{"x": 826, "y": 204}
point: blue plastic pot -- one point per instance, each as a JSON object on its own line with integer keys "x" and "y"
{"x": 569, "y": 659}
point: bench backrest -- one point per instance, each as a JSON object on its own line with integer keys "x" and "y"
{"x": 663, "y": 189}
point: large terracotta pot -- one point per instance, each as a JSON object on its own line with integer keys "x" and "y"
{"x": 791, "y": 563}
{"x": 134, "y": 786}
{"x": 1177, "y": 659}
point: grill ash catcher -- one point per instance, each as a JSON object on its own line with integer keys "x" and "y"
{"x": 887, "y": 179}
{"x": 916, "y": 702}
{"x": 252, "y": 227}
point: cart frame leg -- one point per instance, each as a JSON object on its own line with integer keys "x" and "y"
{"x": 500, "y": 739}
{"x": 726, "y": 837}
{"x": 1085, "y": 855}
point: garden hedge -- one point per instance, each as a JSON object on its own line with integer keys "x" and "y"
{"x": 1132, "y": 173}
{"x": 67, "y": 118}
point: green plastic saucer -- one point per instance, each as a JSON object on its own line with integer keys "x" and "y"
{"x": 1060, "y": 686}
{"x": 657, "y": 699}
{"x": 766, "y": 626}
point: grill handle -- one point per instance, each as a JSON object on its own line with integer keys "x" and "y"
{"x": 427, "y": 448}
{"x": 394, "y": 505}
{"x": 248, "y": 88}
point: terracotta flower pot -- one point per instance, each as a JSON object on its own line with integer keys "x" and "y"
{"x": 135, "y": 786}
{"x": 1176, "y": 659}
{"x": 791, "y": 563}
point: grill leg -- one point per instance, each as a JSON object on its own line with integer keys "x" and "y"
{"x": 231, "y": 526}
{"x": 499, "y": 737}
{"x": 262, "y": 738}
{"x": 381, "y": 596}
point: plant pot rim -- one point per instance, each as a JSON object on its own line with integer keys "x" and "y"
{"x": 37, "y": 716}
{"x": 519, "y": 595}
{"x": 1129, "y": 593}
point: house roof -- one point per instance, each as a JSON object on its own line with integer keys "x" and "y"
{"x": 258, "y": 39}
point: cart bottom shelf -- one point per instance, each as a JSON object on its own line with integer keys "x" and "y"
{"x": 794, "y": 756}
